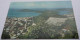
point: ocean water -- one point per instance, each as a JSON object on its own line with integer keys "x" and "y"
{"x": 16, "y": 13}
{"x": 64, "y": 12}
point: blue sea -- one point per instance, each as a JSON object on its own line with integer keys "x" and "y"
{"x": 63, "y": 12}
{"x": 17, "y": 13}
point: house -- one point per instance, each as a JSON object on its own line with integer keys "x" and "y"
{"x": 33, "y": 24}
{"x": 65, "y": 30}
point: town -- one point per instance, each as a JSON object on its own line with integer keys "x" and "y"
{"x": 18, "y": 26}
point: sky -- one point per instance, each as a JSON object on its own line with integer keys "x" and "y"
{"x": 42, "y": 4}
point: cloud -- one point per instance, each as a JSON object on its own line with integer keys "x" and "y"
{"x": 51, "y": 4}
{"x": 31, "y": 4}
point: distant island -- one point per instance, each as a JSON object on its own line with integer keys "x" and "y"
{"x": 48, "y": 24}
{"x": 40, "y": 20}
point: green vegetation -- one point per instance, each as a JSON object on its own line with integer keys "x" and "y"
{"x": 45, "y": 31}
{"x": 5, "y": 35}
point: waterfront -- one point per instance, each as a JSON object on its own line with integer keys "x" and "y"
{"x": 40, "y": 20}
